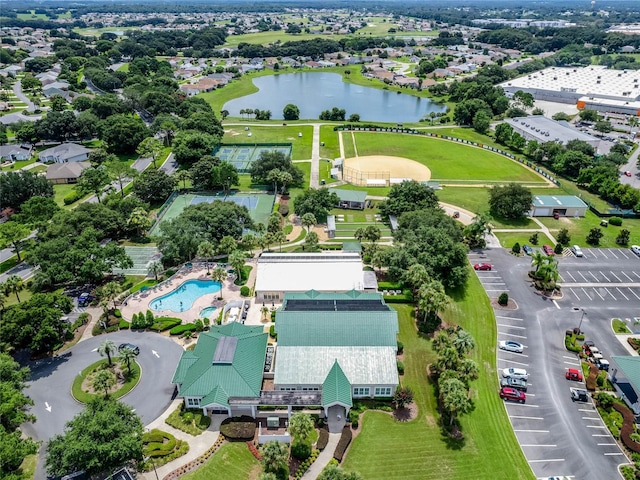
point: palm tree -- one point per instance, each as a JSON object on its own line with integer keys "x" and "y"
{"x": 236, "y": 260}
{"x": 126, "y": 355}
{"x": 14, "y": 284}
{"x": 274, "y": 456}
{"x": 219, "y": 274}
{"x": 139, "y": 219}
{"x": 308, "y": 220}
{"x": 183, "y": 176}
{"x": 441, "y": 341}
{"x": 455, "y": 398}
{"x": 416, "y": 275}
{"x": 104, "y": 380}
{"x": 300, "y": 426}
{"x": 402, "y": 397}
{"x": 463, "y": 341}
{"x": 279, "y": 237}
{"x": 432, "y": 299}
{"x": 206, "y": 250}
{"x": 537, "y": 260}
{"x": 107, "y": 348}
{"x": 265, "y": 312}
{"x": 468, "y": 370}
{"x": 156, "y": 269}
{"x": 109, "y": 292}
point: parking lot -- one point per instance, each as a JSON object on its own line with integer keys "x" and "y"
{"x": 601, "y": 275}
{"x": 558, "y": 436}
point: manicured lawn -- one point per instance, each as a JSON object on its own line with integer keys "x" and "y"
{"x": 274, "y": 134}
{"x": 507, "y": 239}
{"x": 18, "y": 165}
{"x": 9, "y": 263}
{"x": 417, "y": 450}
{"x": 325, "y": 171}
{"x": 24, "y": 296}
{"x": 234, "y": 459}
{"x": 62, "y": 190}
{"x": 331, "y": 149}
{"x": 347, "y": 143}
{"x": 271, "y": 36}
{"x": 83, "y": 397}
{"x": 28, "y": 466}
{"x": 447, "y": 161}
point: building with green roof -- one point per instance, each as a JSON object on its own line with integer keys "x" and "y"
{"x": 626, "y": 379}
{"x": 227, "y": 361}
{"x": 352, "y": 199}
{"x": 562, "y": 205}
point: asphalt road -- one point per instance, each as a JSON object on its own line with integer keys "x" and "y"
{"x": 51, "y": 380}
{"x": 558, "y": 437}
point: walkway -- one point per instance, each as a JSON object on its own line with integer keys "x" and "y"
{"x": 197, "y": 445}
{"x": 324, "y": 458}
{"x": 315, "y": 157}
{"x": 17, "y": 91}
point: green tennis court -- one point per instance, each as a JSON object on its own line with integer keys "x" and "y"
{"x": 242, "y": 155}
{"x": 260, "y": 205}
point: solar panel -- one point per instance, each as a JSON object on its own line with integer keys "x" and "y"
{"x": 225, "y": 350}
{"x": 335, "y": 306}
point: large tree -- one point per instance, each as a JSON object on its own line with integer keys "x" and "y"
{"x": 274, "y": 160}
{"x": 123, "y": 133}
{"x": 316, "y": 201}
{"x": 291, "y": 112}
{"x": 154, "y": 186}
{"x": 37, "y": 212}
{"x": 150, "y": 147}
{"x": 407, "y": 197}
{"x": 121, "y": 172}
{"x": 18, "y": 187}
{"x": 93, "y": 180}
{"x": 511, "y": 201}
{"x": 11, "y": 234}
{"x": 104, "y": 436}
{"x": 189, "y": 146}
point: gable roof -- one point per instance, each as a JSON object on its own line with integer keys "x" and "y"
{"x": 66, "y": 170}
{"x": 207, "y": 373}
{"x": 349, "y": 195}
{"x": 336, "y": 387}
{"x": 630, "y": 367}
{"x": 64, "y": 150}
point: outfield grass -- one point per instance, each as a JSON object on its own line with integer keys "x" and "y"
{"x": 274, "y": 134}
{"x": 448, "y": 161}
{"x": 347, "y": 144}
{"x": 386, "y": 449}
{"x": 234, "y": 459}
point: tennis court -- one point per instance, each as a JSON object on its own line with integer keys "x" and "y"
{"x": 142, "y": 257}
{"x": 242, "y": 155}
{"x": 260, "y": 205}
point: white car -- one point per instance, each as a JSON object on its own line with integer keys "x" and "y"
{"x": 511, "y": 346}
{"x": 515, "y": 373}
{"x": 576, "y": 251}
{"x": 635, "y": 249}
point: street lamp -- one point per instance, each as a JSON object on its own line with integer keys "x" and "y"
{"x": 581, "y": 318}
{"x": 154, "y": 465}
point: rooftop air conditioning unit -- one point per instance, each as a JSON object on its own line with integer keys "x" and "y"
{"x": 546, "y": 134}
{"x": 574, "y": 70}
{"x": 555, "y": 78}
{"x": 537, "y": 129}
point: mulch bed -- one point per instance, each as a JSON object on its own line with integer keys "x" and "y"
{"x": 511, "y": 305}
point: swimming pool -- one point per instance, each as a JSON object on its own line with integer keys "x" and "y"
{"x": 207, "y": 312}
{"x": 182, "y": 298}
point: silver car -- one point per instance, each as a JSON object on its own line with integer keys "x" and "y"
{"x": 576, "y": 251}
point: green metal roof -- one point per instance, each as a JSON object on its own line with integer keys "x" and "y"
{"x": 558, "y": 201}
{"x": 198, "y": 376}
{"x": 352, "y": 246}
{"x": 630, "y": 367}
{"x": 350, "y": 195}
{"x": 336, "y": 387}
{"x": 337, "y": 328}
{"x": 314, "y": 294}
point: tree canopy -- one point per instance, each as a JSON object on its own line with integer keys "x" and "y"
{"x": 274, "y": 160}
{"x": 105, "y": 435}
{"x": 18, "y": 187}
{"x": 317, "y": 202}
{"x": 154, "y": 186}
{"x": 406, "y": 197}
{"x": 511, "y": 201}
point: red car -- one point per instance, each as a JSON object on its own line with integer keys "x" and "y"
{"x": 508, "y": 393}
{"x": 573, "y": 374}
{"x": 547, "y": 249}
{"x": 627, "y": 173}
{"x": 482, "y": 266}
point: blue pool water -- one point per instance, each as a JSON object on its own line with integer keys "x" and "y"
{"x": 182, "y": 298}
{"x": 207, "y": 312}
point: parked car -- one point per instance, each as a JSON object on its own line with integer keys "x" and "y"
{"x": 84, "y": 299}
{"x": 482, "y": 266}
{"x": 516, "y": 383}
{"x": 548, "y": 250}
{"x": 511, "y": 346}
{"x": 527, "y": 249}
{"x": 573, "y": 374}
{"x": 602, "y": 364}
{"x": 508, "y": 393}
{"x": 635, "y": 249}
{"x": 577, "y": 251}
{"x": 579, "y": 395}
{"x": 515, "y": 373}
{"x": 130, "y": 346}
{"x": 627, "y": 173}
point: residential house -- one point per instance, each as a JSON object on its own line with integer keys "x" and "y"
{"x": 56, "y": 88}
{"x": 65, "y": 152}
{"x": 61, "y": 173}
{"x": 14, "y": 153}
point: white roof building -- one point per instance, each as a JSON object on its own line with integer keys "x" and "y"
{"x": 278, "y": 273}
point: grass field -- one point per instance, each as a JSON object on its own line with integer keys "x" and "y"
{"x": 234, "y": 459}
{"x": 273, "y": 134}
{"x": 508, "y": 239}
{"x": 331, "y": 149}
{"x": 386, "y": 449}
{"x": 274, "y": 36}
{"x": 449, "y": 162}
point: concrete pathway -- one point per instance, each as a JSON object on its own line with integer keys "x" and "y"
{"x": 17, "y": 91}
{"x": 324, "y": 458}
{"x": 544, "y": 229}
{"x": 315, "y": 157}
{"x": 197, "y": 445}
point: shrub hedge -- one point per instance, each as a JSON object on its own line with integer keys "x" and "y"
{"x": 272, "y": 331}
{"x": 165, "y": 323}
{"x": 570, "y": 343}
{"x": 123, "y": 325}
{"x": 323, "y": 439}
{"x": 245, "y": 291}
{"x": 72, "y": 197}
{"x": 304, "y": 466}
{"x": 615, "y": 221}
{"x": 343, "y": 443}
{"x": 180, "y": 329}
{"x": 238, "y": 428}
{"x": 400, "y": 367}
{"x": 194, "y": 424}
{"x": 503, "y": 299}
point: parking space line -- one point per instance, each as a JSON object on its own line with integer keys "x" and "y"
{"x": 598, "y": 293}
{"x": 569, "y": 357}
{"x": 607, "y": 444}
{"x": 537, "y": 445}
{"x": 613, "y": 253}
{"x": 620, "y": 291}
{"x": 512, "y": 326}
{"x": 628, "y": 288}
{"x": 636, "y": 274}
{"x": 603, "y": 254}
{"x": 574, "y": 293}
{"x": 526, "y": 405}
{"x": 617, "y": 277}
{"x": 605, "y": 277}
{"x": 630, "y": 279}
{"x": 594, "y": 277}
{"x": 591, "y": 418}
{"x": 526, "y": 418}
{"x": 592, "y": 252}
{"x": 597, "y": 426}
{"x": 585, "y": 278}
{"x": 572, "y": 363}
{"x": 607, "y": 290}
{"x": 585, "y": 292}
{"x": 572, "y": 277}
{"x": 512, "y": 335}
{"x": 532, "y": 431}
{"x": 600, "y": 435}
{"x": 585, "y": 410}
{"x": 515, "y": 353}
{"x": 512, "y": 361}
{"x": 623, "y": 253}
{"x": 547, "y": 460}
{"x": 614, "y": 453}
{"x": 511, "y": 318}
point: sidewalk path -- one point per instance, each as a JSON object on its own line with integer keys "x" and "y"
{"x": 17, "y": 91}
{"x": 315, "y": 157}
{"x": 197, "y": 445}
{"x": 324, "y": 458}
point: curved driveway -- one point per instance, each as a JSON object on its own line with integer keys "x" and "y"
{"x": 51, "y": 380}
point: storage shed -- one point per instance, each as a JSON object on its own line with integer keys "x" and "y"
{"x": 562, "y": 205}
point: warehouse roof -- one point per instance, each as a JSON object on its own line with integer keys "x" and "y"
{"x": 548, "y": 130}
{"x": 630, "y": 367}
{"x": 349, "y": 195}
{"x": 299, "y": 272}
{"x": 557, "y": 201}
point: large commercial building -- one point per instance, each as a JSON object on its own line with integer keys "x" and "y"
{"x": 543, "y": 129}
{"x": 298, "y": 272}
{"x": 596, "y": 87}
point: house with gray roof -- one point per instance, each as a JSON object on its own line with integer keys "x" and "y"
{"x": 65, "y": 152}
{"x": 60, "y": 173}
{"x": 15, "y": 152}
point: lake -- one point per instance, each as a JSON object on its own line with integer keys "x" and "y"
{"x": 314, "y": 92}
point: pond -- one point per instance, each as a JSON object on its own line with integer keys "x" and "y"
{"x": 314, "y": 92}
